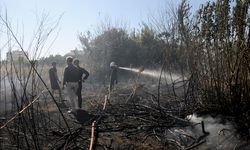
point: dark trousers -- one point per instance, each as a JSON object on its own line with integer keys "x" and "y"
{"x": 79, "y": 94}
{"x": 112, "y": 84}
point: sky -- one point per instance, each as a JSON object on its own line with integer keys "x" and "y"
{"x": 77, "y": 16}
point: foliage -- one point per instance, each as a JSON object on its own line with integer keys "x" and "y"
{"x": 116, "y": 44}
{"x": 222, "y": 42}
{"x": 60, "y": 60}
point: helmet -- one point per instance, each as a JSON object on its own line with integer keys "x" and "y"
{"x": 112, "y": 64}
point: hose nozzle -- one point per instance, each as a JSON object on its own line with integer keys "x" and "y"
{"x": 141, "y": 69}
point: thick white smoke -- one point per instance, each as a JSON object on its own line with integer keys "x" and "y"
{"x": 221, "y": 133}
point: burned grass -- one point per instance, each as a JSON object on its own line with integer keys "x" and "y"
{"x": 133, "y": 118}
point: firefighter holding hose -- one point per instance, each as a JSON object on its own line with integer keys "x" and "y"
{"x": 113, "y": 75}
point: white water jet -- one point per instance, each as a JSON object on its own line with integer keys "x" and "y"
{"x": 156, "y": 74}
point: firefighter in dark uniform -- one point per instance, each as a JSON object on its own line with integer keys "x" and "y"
{"x": 113, "y": 75}
{"x": 81, "y": 79}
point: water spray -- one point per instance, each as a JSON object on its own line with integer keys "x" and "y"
{"x": 139, "y": 70}
{"x": 152, "y": 73}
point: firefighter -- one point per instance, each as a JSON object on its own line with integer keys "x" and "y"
{"x": 113, "y": 75}
{"x": 70, "y": 80}
{"x": 81, "y": 79}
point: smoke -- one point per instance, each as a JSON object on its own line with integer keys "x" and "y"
{"x": 156, "y": 74}
{"x": 9, "y": 86}
{"x": 6, "y": 93}
{"x": 221, "y": 132}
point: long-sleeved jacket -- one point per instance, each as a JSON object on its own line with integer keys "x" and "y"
{"x": 71, "y": 74}
{"x": 81, "y": 72}
{"x": 53, "y": 78}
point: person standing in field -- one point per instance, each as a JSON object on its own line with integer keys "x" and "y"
{"x": 54, "y": 81}
{"x": 70, "y": 80}
{"x": 113, "y": 75}
{"x": 80, "y": 80}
